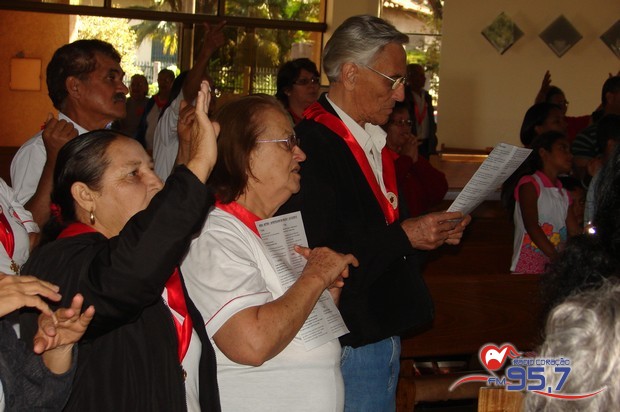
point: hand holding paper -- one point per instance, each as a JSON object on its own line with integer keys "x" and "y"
{"x": 430, "y": 231}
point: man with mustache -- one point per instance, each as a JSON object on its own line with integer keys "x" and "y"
{"x": 85, "y": 84}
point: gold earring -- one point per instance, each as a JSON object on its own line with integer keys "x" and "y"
{"x": 92, "y": 217}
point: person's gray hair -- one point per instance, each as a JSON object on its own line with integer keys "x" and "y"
{"x": 358, "y": 39}
{"x": 584, "y": 328}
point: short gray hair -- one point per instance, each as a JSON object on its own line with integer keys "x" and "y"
{"x": 358, "y": 39}
{"x": 585, "y": 328}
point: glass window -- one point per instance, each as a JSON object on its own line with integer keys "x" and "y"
{"x": 249, "y": 62}
{"x": 146, "y": 47}
{"x": 311, "y": 11}
{"x": 299, "y": 10}
{"x": 175, "y": 6}
{"x": 425, "y": 49}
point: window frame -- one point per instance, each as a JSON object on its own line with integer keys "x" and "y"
{"x": 185, "y": 18}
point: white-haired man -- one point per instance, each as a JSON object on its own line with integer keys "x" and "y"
{"x": 349, "y": 202}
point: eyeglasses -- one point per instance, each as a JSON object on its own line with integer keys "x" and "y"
{"x": 401, "y": 122}
{"x": 395, "y": 81}
{"x": 291, "y": 142}
{"x": 307, "y": 81}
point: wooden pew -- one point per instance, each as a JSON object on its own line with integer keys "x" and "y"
{"x": 471, "y": 310}
{"x": 476, "y": 301}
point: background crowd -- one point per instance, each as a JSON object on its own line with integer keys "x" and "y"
{"x": 170, "y": 299}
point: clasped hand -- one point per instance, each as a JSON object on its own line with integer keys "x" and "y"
{"x": 329, "y": 266}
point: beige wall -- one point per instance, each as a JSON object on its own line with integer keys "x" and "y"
{"x": 483, "y": 95}
{"x": 37, "y": 35}
{"x": 339, "y": 11}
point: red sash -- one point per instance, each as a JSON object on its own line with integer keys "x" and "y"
{"x": 176, "y": 301}
{"x": 248, "y": 218}
{"x": 317, "y": 113}
{"x": 176, "y": 298}
{"x": 8, "y": 239}
{"x": 75, "y": 229}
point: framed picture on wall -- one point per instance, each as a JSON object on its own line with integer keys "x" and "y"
{"x": 612, "y": 38}
{"x": 560, "y": 36}
{"x": 502, "y": 33}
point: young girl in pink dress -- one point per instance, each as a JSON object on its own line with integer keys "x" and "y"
{"x": 541, "y": 214}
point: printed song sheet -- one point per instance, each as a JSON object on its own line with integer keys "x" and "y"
{"x": 280, "y": 234}
{"x": 498, "y": 166}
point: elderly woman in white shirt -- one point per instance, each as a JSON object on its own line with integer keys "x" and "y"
{"x": 252, "y": 320}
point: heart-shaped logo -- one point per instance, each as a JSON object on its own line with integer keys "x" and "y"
{"x": 493, "y": 357}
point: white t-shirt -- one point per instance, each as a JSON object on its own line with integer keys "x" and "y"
{"x": 227, "y": 269}
{"x": 152, "y": 118}
{"x": 21, "y": 224}
{"x": 28, "y": 162}
{"x": 166, "y": 139}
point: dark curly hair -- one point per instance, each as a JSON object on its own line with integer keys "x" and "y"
{"x": 535, "y": 116}
{"x": 288, "y": 75}
{"x": 529, "y": 166}
{"x": 82, "y": 159}
{"x": 74, "y": 59}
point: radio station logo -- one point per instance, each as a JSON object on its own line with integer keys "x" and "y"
{"x": 524, "y": 373}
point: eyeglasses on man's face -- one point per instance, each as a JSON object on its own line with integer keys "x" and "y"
{"x": 290, "y": 141}
{"x": 307, "y": 80}
{"x": 401, "y": 122}
{"x": 395, "y": 81}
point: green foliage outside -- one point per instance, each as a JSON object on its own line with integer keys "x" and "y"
{"x": 116, "y": 32}
{"x": 428, "y": 56}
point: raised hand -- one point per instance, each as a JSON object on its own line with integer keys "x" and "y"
{"x": 213, "y": 38}
{"x": 66, "y": 327}
{"x": 544, "y": 88}
{"x": 55, "y": 134}
{"x": 58, "y": 333}
{"x": 410, "y": 148}
{"x": 19, "y": 291}
{"x": 203, "y": 137}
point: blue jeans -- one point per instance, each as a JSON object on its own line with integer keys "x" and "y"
{"x": 370, "y": 376}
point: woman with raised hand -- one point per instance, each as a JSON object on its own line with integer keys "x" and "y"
{"x": 117, "y": 236}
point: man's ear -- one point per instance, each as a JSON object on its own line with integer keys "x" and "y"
{"x": 72, "y": 85}
{"x": 83, "y": 196}
{"x": 348, "y": 75}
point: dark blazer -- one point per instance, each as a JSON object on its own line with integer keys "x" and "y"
{"x": 128, "y": 358}
{"x": 385, "y": 296}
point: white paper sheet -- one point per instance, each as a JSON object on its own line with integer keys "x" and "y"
{"x": 280, "y": 234}
{"x": 498, "y": 166}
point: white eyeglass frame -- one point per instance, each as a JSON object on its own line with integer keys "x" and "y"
{"x": 395, "y": 81}
{"x": 291, "y": 141}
